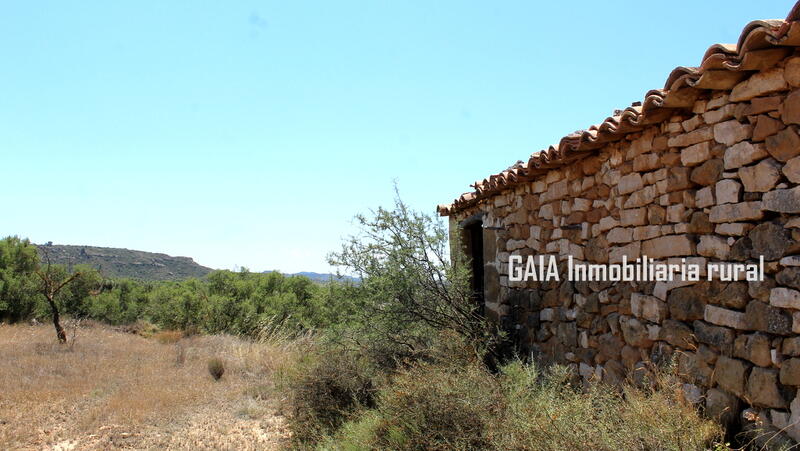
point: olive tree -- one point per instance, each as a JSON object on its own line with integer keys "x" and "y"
{"x": 55, "y": 284}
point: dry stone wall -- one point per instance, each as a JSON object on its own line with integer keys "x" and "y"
{"x": 717, "y": 182}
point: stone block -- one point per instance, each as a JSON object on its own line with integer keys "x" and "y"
{"x": 759, "y": 84}
{"x": 719, "y": 115}
{"x": 718, "y": 337}
{"x": 732, "y": 132}
{"x": 668, "y": 246}
{"x": 742, "y": 154}
{"x": 704, "y": 197}
{"x": 642, "y": 197}
{"x": 620, "y": 235}
{"x": 630, "y": 183}
{"x": 687, "y": 303}
{"x": 791, "y": 346}
{"x": 646, "y": 162}
{"x": 782, "y": 200}
{"x": 791, "y": 72}
{"x": 727, "y": 191}
{"x": 792, "y": 170}
{"x": 762, "y": 177}
{"x": 733, "y": 228}
{"x": 646, "y": 232}
{"x": 677, "y": 334}
{"x": 678, "y": 179}
{"x": 724, "y": 317}
{"x": 694, "y": 137}
{"x": 790, "y": 109}
{"x": 634, "y": 332}
{"x": 784, "y": 298}
{"x": 783, "y": 145}
{"x": 766, "y": 318}
{"x": 762, "y": 389}
{"x": 790, "y": 372}
{"x": 714, "y": 247}
{"x": 633, "y": 217}
{"x": 707, "y": 173}
{"x": 696, "y": 154}
{"x": 693, "y": 368}
{"x": 632, "y": 251}
{"x": 753, "y": 347}
{"x": 766, "y": 126}
{"x": 731, "y": 375}
{"x": 743, "y": 211}
{"x": 648, "y": 307}
{"x": 699, "y": 224}
{"x": 607, "y": 223}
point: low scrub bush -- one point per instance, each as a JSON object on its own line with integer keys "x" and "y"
{"x": 547, "y": 411}
{"x": 464, "y": 407}
{"x": 439, "y": 407}
{"x": 216, "y": 368}
{"x": 141, "y": 327}
{"x": 327, "y": 389}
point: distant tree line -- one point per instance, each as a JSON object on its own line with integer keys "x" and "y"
{"x": 222, "y": 302}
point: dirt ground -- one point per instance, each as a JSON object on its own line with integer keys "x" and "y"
{"x": 110, "y": 389}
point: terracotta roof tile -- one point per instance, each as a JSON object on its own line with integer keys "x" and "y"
{"x": 761, "y": 44}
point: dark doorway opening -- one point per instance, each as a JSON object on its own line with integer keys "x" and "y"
{"x": 474, "y": 239}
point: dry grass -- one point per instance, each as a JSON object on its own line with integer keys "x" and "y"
{"x": 168, "y": 336}
{"x": 109, "y": 389}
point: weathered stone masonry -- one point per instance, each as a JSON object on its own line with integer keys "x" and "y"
{"x": 707, "y": 169}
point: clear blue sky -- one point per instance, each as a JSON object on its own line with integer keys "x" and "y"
{"x": 249, "y": 133}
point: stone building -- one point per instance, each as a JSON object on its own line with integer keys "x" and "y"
{"x": 705, "y": 170}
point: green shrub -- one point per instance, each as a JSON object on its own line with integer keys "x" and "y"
{"x": 216, "y": 368}
{"x": 356, "y": 435}
{"x": 327, "y": 389}
{"x": 547, "y": 411}
{"x": 19, "y": 286}
{"x": 439, "y": 407}
{"x": 142, "y": 328}
{"x": 461, "y": 406}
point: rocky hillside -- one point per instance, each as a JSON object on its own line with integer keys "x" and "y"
{"x": 115, "y": 262}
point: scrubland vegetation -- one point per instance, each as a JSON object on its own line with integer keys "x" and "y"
{"x": 223, "y": 302}
{"x": 400, "y": 361}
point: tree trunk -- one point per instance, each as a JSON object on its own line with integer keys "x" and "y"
{"x": 62, "y": 336}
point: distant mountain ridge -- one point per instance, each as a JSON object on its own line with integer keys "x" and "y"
{"x": 116, "y": 262}
{"x": 150, "y": 266}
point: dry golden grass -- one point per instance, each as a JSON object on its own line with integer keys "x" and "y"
{"x": 111, "y": 389}
{"x": 168, "y": 336}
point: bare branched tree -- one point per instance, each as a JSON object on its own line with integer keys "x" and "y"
{"x": 412, "y": 287}
{"x": 53, "y": 281}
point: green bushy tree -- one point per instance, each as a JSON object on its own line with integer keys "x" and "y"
{"x": 176, "y": 305}
{"x": 124, "y": 302}
{"x": 19, "y": 294}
